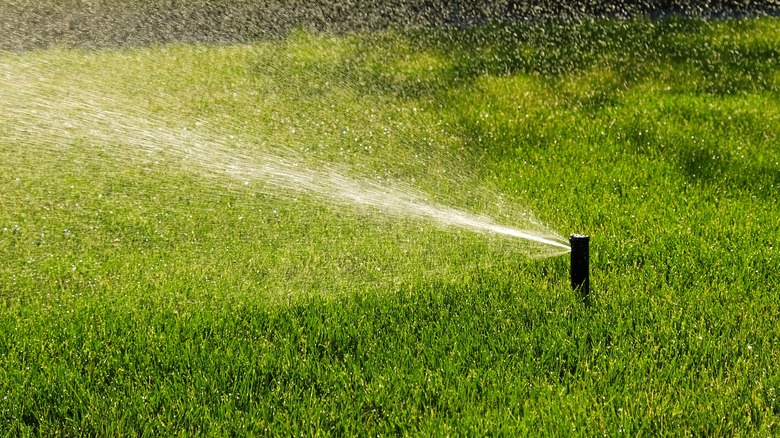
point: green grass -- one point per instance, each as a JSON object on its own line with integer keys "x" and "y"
{"x": 149, "y": 298}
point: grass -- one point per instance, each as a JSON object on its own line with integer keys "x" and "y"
{"x": 142, "y": 296}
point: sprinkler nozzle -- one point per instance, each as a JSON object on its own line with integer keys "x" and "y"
{"x": 580, "y": 263}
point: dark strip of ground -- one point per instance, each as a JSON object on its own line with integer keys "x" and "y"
{"x": 30, "y": 24}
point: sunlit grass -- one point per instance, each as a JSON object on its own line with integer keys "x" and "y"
{"x": 141, "y": 295}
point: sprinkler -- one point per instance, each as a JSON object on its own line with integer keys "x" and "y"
{"x": 580, "y": 275}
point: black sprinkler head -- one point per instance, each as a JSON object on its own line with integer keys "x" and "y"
{"x": 580, "y": 264}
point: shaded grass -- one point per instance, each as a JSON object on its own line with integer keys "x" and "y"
{"x": 143, "y": 299}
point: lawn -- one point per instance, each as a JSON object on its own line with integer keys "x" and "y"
{"x": 155, "y": 282}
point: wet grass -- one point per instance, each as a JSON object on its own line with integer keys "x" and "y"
{"x": 142, "y": 298}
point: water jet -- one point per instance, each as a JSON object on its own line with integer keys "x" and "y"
{"x": 580, "y": 264}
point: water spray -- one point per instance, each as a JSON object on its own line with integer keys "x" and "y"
{"x": 53, "y": 115}
{"x": 580, "y": 264}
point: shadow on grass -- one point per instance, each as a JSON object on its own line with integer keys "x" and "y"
{"x": 717, "y": 57}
